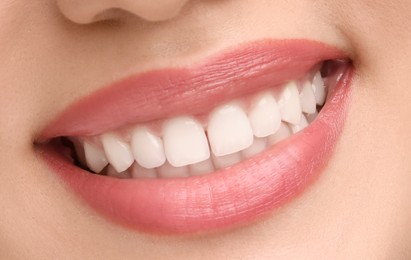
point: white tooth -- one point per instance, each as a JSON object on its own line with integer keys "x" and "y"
{"x": 282, "y": 133}
{"x": 202, "y": 168}
{"x": 259, "y": 145}
{"x": 168, "y": 171}
{"x": 265, "y": 117}
{"x": 138, "y": 172}
{"x": 226, "y": 160}
{"x": 118, "y": 152}
{"x": 307, "y": 99}
{"x": 185, "y": 141}
{"x": 95, "y": 157}
{"x": 229, "y": 130}
{"x": 319, "y": 89}
{"x": 289, "y": 103}
{"x": 297, "y": 128}
{"x": 147, "y": 148}
{"x": 312, "y": 117}
{"x": 120, "y": 175}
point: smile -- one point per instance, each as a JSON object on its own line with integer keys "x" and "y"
{"x": 212, "y": 146}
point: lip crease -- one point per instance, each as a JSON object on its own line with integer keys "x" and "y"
{"x": 228, "y": 197}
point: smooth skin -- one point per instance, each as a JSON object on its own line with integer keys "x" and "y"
{"x": 54, "y": 52}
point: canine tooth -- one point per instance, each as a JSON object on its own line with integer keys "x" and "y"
{"x": 168, "y": 171}
{"x": 297, "y": 128}
{"x": 319, "y": 89}
{"x": 138, "y": 172}
{"x": 111, "y": 171}
{"x": 95, "y": 157}
{"x": 259, "y": 145}
{"x": 307, "y": 99}
{"x": 147, "y": 148}
{"x": 289, "y": 103}
{"x": 312, "y": 117}
{"x": 202, "y": 168}
{"x": 265, "y": 117}
{"x": 118, "y": 152}
{"x": 282, "y": 133}
{"x": 229, "y": 130}
{"x": 226, "y": 160}
{"x": 185, "y": 142}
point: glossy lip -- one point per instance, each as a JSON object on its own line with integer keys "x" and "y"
{"x": 228, "y": 197}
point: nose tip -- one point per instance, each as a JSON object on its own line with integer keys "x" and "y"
{"x": 88, "y": 11}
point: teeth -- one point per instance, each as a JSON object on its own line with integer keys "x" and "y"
{"x": 307, "y": 99}
{"x": 95, "y": 157}
{"x": 229, "y": 130}
{"x": 297, "y": 128}
{"x": 185, "y": 142}
{"x": 117, "y": 151}
{"x": 226, "y": 160}
{"x": 147, "y": 148}
{"x": 282, "y": 133}
{"x": 259, "y": 145}
{"x": 319, "y": 89}
{"x": 202, "y": 168}
{"x": 169, "y": 171}
{"x": 114, "y": 173}
{"x": 78, "y": 147}
{"x": 181, "y": 147}
{"x": 265, "y": 117}
{"x": 312, "y": 117}
{"x": 290, "y": 104}
{"x": 138, "y": 172}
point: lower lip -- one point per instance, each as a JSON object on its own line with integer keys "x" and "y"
{"x": 224, "y": 199}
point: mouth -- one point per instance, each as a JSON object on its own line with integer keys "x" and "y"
{"x": 211, "y": 146}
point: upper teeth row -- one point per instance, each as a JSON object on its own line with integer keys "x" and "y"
{"x": 185, "y": 141}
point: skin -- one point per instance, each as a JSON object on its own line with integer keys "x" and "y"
{"x": 53, "y": 53}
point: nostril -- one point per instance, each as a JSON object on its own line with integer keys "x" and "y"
{"x": 85, "y": 12}
{"x": 156, "y": 11}
{"x": 113, "y": 14}
{"x": 81, "y": 12}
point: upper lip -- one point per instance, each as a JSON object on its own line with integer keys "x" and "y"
{"x": 168, "y": 92}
